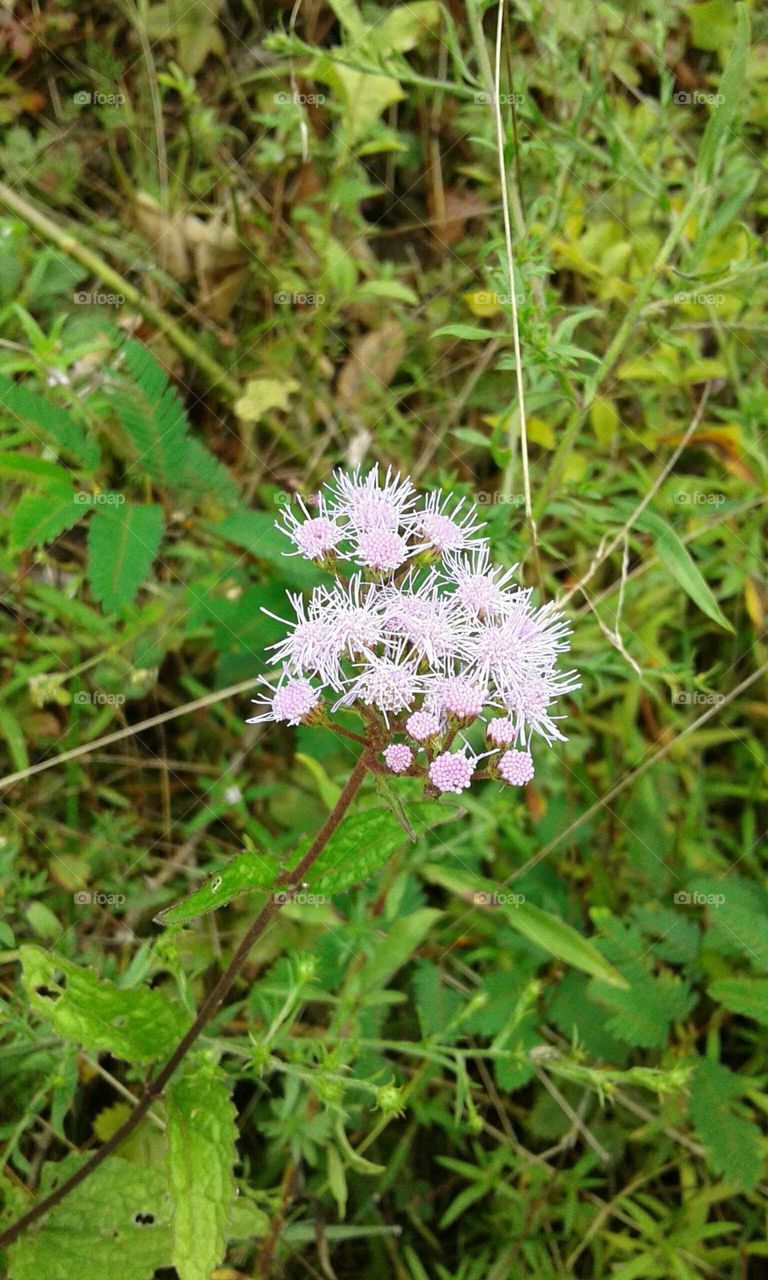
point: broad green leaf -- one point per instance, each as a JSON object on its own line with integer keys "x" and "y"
{"x": 11, "y": 730}
{"x": 40, "y": 517}
{"x": 747, "y": 996}
{"x": 122, "y": 545}
{"x": 732, "y": 1140}
{"x": 546, "y": 931}
{"x": 245, "y": 873}
{"x": 201, "y": 1153}
{"x": 137, "y": 1025}
{"x": 675, "y": 557}
{"x": 351, "y": 21}
{"x": 361, "y": 95}
{"x": 115, "y": 1223}
{"x": 404, "y": 27}
{"x": 724, "y": 112}
{"x": 365, "y": 841}
{"x": 711, "y": 24}
{"x": 604, "y": 418}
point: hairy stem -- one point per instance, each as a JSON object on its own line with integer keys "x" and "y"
{"x": 155, "y": 1085}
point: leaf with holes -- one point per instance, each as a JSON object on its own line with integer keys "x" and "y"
{"x": 201, "y": 1153}
{"x": 136, "y": 1025}
{"x": 122, "y": 544}
{"x": 117, "y": 1222}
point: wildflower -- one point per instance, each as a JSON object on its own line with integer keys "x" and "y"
{"x": 443, "y": 525}
{"x": 423, "y": 726}
{"x": 516, "y": 767}
{"x": 398, "y": 757}
{"x": 501, "y": 731}
{"x": 314, "y": 537}
{"x": 293, "y": 701}
{"x": 452, "y": 771}
{"x": 482, "y": 588}
{"x": 366, "y": 504}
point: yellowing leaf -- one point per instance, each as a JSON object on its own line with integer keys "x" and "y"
{"x": 263, "y": 394}
{"x": 604, "y": 418}
{"x": 540, "y": 432}
{"x": 483, "y": 303}
{"x": 361, "y": 96}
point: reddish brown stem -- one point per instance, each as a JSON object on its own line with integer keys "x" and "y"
{"x": 208, "y": 1008}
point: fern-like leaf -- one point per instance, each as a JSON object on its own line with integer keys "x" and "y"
{"x": 51, "y": 420}
{"x": 731, "y": 1139}
{"x": 122, "y": 544}
{"x": 156, "y": 423}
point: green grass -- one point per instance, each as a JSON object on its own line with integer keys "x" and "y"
{"x": 262, "y": 248}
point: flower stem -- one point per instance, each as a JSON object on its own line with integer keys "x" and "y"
{"x": 210, "y": 1005}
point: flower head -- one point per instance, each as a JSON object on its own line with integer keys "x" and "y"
{"x": 398, "y": 757}
{"x": 452, "y": 771}
{"x": 516, "y": 767}
{"x": 426, "y": 634}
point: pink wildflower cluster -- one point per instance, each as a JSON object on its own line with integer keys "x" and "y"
{"x": 419, "y": 632}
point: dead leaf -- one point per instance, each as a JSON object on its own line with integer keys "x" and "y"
{"x": 373, "y": 361}
{"x": 450, "y": 214}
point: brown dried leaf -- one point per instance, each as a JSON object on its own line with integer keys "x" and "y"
{"x": 373, "y": 362}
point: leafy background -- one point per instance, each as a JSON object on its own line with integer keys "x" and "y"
{"x": 239, "y": 247}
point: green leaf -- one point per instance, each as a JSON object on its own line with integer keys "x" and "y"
{"x": 245, "y": 873}
{"x": 136, "y": 1025}
{"x": 361, "y": 95}
{"x": 256, "y": 533}
{"x": 365, "y": 841}
{"x": 747, "y": 996}
{"x": 115, "y": 1223}
{"x": 469, "y": 332}
{"x": 201, "y": 1153}
{"x": 674, "y": 556}
{"x": 122, "y": 545}
{"x": 26, "y": 466}
{"x": 40, "y": 517}
{"x": 13, "y": 733}
{"x": 404, "y": 27}
{"x": 392, "y": 952}
{"x": 731, "y": 1139}
{"x": 724, "y": 113}
{"x": 546, "y": 931}
{"x": 17, "y": 402}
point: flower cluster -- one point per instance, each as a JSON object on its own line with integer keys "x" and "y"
{"x": 419, "y": 632}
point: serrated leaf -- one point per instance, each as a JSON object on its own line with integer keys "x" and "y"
{"x": 137, "y": 1025}
{"x": 731, "y": 1139}
{"x": 115, "y": 1223}
{"x": 201, "y": 1152}
{"x": 122, "y": 544}
{"x": 245, "y": 873}
{"x": 27, "y": 466}
{"x": 366, "y": 841}
{"x": 40, "y": 517}
{"x": 548, "y": 932}
{"x": 747, "y": 996}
